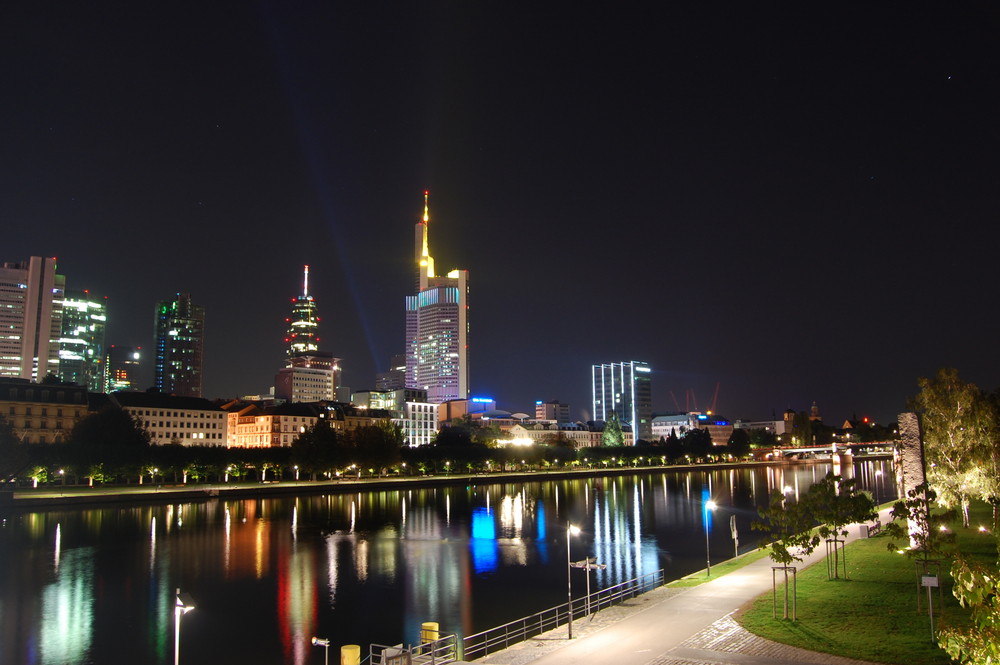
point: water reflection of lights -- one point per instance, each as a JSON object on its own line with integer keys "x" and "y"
{"x": 58, "y": 547}
{"x": 511, "y": 515}
{"x": 68, "y": 611}
{"x": 152, "y": 543}
{"x": 260, "y": 534}
{"x": 227, "y": 540}
{"x": 442, "y": 548}
{"x": 297, "y": 605}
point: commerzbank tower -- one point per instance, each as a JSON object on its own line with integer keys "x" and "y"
{"x": 437, "y": 325}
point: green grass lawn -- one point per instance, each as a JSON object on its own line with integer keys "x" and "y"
{"x": 873, "y": 614}
{"x": 720, "y": 569}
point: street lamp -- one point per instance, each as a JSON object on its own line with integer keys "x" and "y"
{"x": 709, "y": 506}
{"x": 571, "y": 530}
{"x": 183, "y": 603}
{"x": 320, "y": 642}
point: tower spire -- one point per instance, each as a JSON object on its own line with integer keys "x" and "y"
{"x": 425, "y": 262}
{"x": 425, "y": 250}
{"x": 305, "y": 282}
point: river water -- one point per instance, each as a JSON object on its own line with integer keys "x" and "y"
{"x": 97, "y": 586}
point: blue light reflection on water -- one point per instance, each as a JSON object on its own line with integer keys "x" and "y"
{"x": 96, "y": 586}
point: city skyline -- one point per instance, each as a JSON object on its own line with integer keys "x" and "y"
{"x": 794, "y": 209}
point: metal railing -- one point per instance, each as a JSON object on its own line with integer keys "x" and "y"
{"x": 484, "y": 643}
{"x": 436, "y": 652}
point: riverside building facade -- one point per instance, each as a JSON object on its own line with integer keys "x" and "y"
{"x": 42, "y": 412}
{"x": 189, "y": 421}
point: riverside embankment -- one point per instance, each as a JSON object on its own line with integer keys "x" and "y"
{"x": 82, "y": 496}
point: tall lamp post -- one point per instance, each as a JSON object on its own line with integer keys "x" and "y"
{"x": 709, "y": 507}
{"x": 320, "y": 642}
{"x": 183, "y": 603}
{"x": 571, "y": 530}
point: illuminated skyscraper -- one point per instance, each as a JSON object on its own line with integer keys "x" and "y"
{"x": 180, "y": 340}
{"x": 626, "y": 389}
{"x": 81, "y": 345}
{"x": 303, "y": 325}
{"x": 122, "y": 368}
{"x": 31, "y": 300}
{"x": 309, "y": 375}
{"x": 437, "y": 326}
{"x": 395, "y": 377}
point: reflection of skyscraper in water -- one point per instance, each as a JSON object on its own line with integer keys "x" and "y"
{"x": 297, "y": 603}
{"x": 437, "y": 570}
{"x": 618, "y": 539}
{"x": 68, "y": 610}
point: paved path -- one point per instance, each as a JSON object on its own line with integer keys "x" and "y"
{"x": 674, "y": 626}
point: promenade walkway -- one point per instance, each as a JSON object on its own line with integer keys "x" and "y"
{"x": 674, "y": 626}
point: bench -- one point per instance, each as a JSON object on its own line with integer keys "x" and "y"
{"x": 873, "y": 529}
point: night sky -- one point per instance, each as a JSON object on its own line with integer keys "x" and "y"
{"x": 792, "y": 201}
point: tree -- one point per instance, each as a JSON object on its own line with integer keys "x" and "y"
{"x": 613, "y": 436}
{"x": 788, "y": 533}
{"x": 739, "y": 443}
{"x": 320, "y": 449}
{"x": 110, "y": 426}
{"x": 486, "y": 433}
{"x": 673, "y": 446}
{"x": 924, "y": 529}
{"x": 914, "y": 521}
{"x": 959, "y": 423}
{"x": 697, "y": 443}
{"x": 977, "y": 586}
{"x": 835, "y": 502}
{"x": 378, "y": 446}
{"x": 990, "y": 490}
{"x": 453, "y": 436}
{"x": 763, "y": 438}
{"x": 112, "y": 436}
{"x": 14, "y": 454}
{"x": 802, "y": 429}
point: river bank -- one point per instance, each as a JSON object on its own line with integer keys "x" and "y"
{"x": 83, "y": 496}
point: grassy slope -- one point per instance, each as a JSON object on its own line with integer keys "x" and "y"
{"x": 871, "y": 616}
